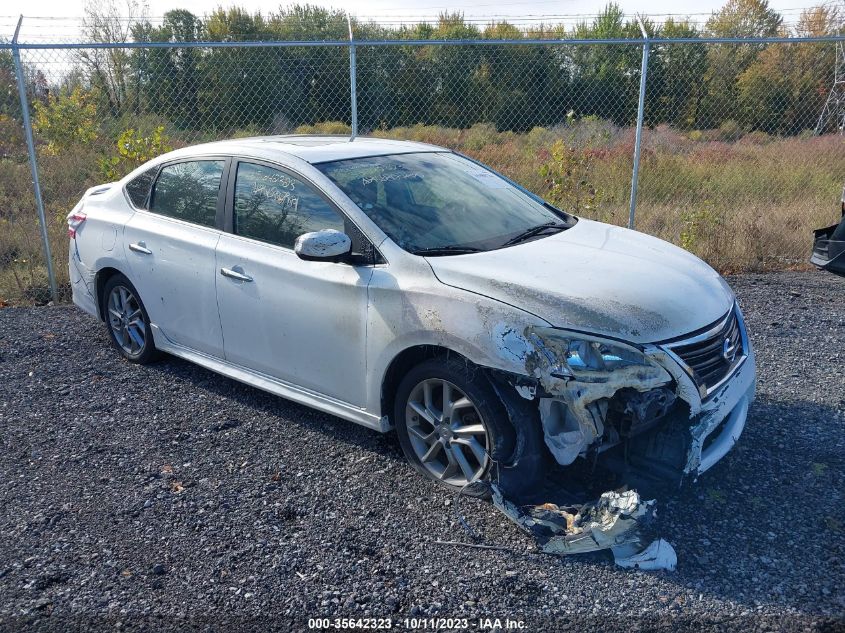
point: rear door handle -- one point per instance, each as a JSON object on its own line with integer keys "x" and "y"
{"x": 234, "y": 274}
{"x": 140, "y": 247}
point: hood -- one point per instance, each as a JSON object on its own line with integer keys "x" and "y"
{"x": 597, "y": 278}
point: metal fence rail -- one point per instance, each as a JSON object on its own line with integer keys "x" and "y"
{"x": 735, "y": 165}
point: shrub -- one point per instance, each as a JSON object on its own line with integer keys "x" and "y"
{"x": 325, "y": 127}
{"x": 568, "y": 174}
{"x": 66, "y": 121}
{"x": 133, "y": 150}
{"x": 730, "y": 131}
{"x": 481, "y": 135}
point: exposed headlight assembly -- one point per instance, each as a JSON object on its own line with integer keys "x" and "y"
{"x": 585, "y": 357}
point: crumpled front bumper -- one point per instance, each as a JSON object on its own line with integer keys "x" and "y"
{"x": 722, "y": 420}
{"x": 695, "y": 426}
{"x": 719, "y": 419}
{"x": 691, "y": 428}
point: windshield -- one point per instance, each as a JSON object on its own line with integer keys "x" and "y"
{"x": 439, "y": 201}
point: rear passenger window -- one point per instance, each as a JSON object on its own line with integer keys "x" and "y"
{"x": 188, "y": 191}
{"x": 138, "y": 189}
{"x": 274, "y": 207}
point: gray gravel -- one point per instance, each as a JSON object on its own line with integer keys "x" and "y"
{"x": 167, "y": 496}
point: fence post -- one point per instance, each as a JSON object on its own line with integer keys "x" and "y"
{"x": 33, "y": 163}
{"x": 639, "y": 137}
{"x": 353, "y": 95}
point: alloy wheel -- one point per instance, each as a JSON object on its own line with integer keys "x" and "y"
{"x": 126, "y": 321}
{"x": 447, "y": 432}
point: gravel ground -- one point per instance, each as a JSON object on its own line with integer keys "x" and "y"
{"x": 167, "y": 496}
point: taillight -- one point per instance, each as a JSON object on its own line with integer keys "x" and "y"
{"x": 74, "y": 221}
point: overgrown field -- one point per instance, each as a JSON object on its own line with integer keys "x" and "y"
{"x": 741, "y": 202}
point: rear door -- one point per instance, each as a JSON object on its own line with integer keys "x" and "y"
{"x": 303, "y": 322}
{"x": 170, "y": 248}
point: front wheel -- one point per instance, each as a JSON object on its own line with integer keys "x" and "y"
{"x": 127, "y": 321}
{"x": 451, "y": 424}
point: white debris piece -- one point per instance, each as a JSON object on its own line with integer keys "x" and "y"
{"x": 617, "y": 520}
{"x": 659, "y": 555}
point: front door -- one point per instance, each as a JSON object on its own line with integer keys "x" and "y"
{"x": 303, "y": 322}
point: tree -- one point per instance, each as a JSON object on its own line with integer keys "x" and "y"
{"x": 784, "y": 89}
{"x": 676, "y": 77}
{"x": 170, "y": 76}
{"x": 606, "y": 77}
{"x": 316, "y": 79}
{"x": 238, "y": 83}
{"x": 726, "y": 62}
{"x": 109, "y": 68}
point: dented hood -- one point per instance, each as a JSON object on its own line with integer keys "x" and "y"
{"x": 598, "y": 278}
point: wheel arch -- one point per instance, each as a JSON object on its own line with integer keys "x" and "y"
{"x": 403, "y": 362}
{"x": 100, "y": 280}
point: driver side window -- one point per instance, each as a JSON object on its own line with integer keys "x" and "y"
{"x": 275, "y": 207}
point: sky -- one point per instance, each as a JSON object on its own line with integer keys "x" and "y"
{"x": 386, "y": 11}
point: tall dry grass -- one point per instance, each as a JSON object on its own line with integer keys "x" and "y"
{"x": 747, "y": 205}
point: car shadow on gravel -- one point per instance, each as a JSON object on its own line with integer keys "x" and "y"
{"x": 287, "y": 411}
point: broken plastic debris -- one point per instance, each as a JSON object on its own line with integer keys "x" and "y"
{"x": 617, "y": 521}
{"x": 659, "y": 555}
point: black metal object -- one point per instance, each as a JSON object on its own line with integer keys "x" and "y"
{"x": 633, "y": 412}
{"x": 829, "y": 246}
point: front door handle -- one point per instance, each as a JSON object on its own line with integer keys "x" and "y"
{"x": 140, "y": 247}
{"x": 234, "y": 274}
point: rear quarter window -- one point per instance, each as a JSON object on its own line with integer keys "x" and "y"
{"x": 138, "y": 189}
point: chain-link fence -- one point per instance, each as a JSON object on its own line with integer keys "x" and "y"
{"x": 735, "y": 163}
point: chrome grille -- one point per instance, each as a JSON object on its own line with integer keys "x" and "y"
{"x": 711, "y": 356}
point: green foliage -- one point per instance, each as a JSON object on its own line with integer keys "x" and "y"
{"x": 819, "y": 468}
{"x": 515, "y": 88}
{"x": 726, "y": 62}
{"x": 730, "y": 131}
{"x": 697, "y": 224}
{"x": 66, "y": 121}
{"x": 568, "y": 175}
{"x": 133, "y": 150}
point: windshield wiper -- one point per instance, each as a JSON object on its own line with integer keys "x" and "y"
{"x": 446, "y": 250}
{"x": 534, "y": 231}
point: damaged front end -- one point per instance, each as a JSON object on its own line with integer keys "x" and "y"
{"x": 653, "y": 414}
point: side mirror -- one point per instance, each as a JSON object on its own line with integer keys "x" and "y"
{"x": 327, "y": 245}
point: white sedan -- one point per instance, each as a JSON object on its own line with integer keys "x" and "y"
{"x": 398, "y": 284}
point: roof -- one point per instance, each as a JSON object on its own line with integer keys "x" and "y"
{"x": 312, "y": 148}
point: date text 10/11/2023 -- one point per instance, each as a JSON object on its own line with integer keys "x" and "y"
{"x": 418, "y": 624}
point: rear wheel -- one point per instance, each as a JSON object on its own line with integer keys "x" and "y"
{"x": 127, "y": 321}
{"x": 451, "y": 424}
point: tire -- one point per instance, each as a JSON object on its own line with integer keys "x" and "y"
{"x": 127, "y": 321}
{"x": 458, "y": 462}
